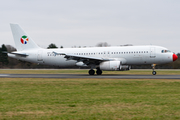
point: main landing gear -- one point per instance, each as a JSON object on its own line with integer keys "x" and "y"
{"x": 91, "y": 72}
{"x": 153, "y": 67}
{"x": 98, "y": 72}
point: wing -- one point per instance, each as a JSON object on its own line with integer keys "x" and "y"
{"x": 85, "y": 59}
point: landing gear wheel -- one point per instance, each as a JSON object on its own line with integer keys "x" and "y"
{"x": 153, "y": 67}
{"x": 154, "y": 72}
{"x": 91, "y": 72}
{"x": 99, "y": 72}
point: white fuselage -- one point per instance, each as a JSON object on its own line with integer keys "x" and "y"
{"x": 100, "y": 58}
{"x": 128, "y": 55}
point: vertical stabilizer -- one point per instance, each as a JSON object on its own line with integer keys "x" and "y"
{"x": 22, "y": 39}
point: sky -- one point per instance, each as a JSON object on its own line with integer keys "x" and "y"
{"x": 70, "y": 23}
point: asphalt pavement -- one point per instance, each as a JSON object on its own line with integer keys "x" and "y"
{"x": 108, "y": 76}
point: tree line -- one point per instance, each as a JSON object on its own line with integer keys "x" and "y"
{"x": 11, "y": 63}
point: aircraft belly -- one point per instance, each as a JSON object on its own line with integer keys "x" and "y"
{"x": 58, "y": 61}
{"x": 134, "y": 60}
{"x": 62, "y": 62}
{"x": 137, "y": 60}
{"x": 162, "y": 59}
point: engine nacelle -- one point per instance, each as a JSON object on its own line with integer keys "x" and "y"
{"x": 81, "y": 64}
{"x": 113, "y": 66}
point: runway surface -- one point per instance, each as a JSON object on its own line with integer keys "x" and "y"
{"x": 109, "y": 76}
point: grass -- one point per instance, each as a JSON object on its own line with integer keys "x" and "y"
{"x": 80, "y": 71}
{"x": 88, "y": 99}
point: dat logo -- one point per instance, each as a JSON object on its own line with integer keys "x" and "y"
{"x": 24, "y": 39}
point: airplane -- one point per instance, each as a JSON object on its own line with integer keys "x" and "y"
{"x": 118, "y": 58}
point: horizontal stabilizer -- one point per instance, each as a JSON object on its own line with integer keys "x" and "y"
{"x": 16, "y": 53}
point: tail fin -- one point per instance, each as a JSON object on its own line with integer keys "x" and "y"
{"x": 21, "y": 38}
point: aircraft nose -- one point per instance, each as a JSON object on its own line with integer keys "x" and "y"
{"x": 175, "y": 57}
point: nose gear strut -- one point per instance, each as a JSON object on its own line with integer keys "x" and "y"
{"x": 153, "y": 67}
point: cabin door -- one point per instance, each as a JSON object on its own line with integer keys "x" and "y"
{"x": 152, "y": 52}
{"x": 39, "y": 56}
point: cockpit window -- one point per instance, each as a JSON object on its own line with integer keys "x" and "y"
{"x": 165, "y": 51}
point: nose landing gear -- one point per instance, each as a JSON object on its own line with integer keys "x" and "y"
{"x": 154, "y": 72}
{"x": 153, "y": 67}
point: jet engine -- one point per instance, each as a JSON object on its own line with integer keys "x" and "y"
{"x": 113, "y": 66}
{"x": 81, "y": 64}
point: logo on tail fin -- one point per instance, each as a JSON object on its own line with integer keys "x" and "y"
{"x": 24, "y": 39}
